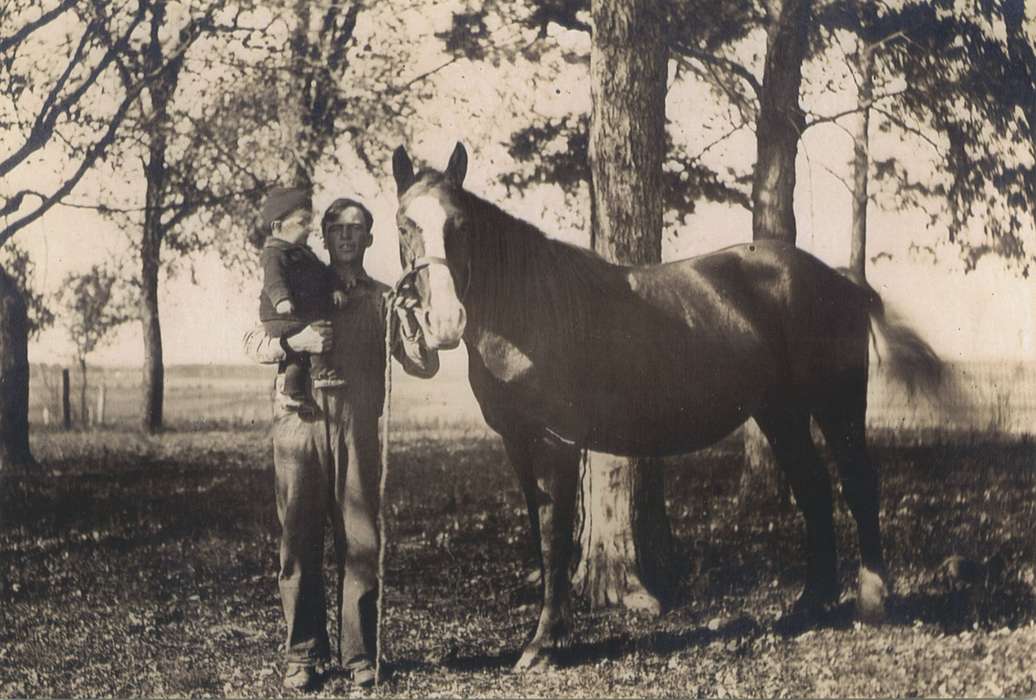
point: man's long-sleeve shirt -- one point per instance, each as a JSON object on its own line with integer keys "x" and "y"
{"x": 358, "y": 350}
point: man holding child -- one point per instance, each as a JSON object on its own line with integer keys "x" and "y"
{"x": 325, "y": 440}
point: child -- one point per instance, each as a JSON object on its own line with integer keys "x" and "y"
{"x": 297, "y": 287}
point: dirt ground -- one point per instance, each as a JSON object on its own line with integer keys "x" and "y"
{"x": 132, "y": 566}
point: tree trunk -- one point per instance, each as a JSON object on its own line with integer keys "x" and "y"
{"x": 780, "y": 121}
{"x": 154, "y": 369}
{"x": 14, "y": 377}
{"x": 150, "y": 254}
{"x": 624, "y": 535}
{"x": 66, "y": 400}
{"x": 160, "y": 93}
{"x": 861, "y": 165}
{"x": 778, "y": 128}
{"x": 84, "y": 409}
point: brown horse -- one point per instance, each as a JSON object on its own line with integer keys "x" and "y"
{"x": 567, "y": 351}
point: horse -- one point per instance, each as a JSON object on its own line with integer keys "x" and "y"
{"x": 567, "y": 351}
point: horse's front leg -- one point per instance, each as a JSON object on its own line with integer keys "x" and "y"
{"x": 556, "y": 469}
{"x": 518, "y": 446}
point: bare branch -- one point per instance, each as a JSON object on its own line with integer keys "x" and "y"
{"x": 909, "y": 129}
{"x": 423, "y": 76}
{"x": 720, "y": 62}
{"x": 43, "y": 128}
{"x": 830, "y": 171}
{"x": 716, "y": 142}
{"x": 88, "y": 161}
{"x": 872, "y": 103}
{"x": 46, "y": 18}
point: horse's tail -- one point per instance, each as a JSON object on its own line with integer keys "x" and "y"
{"x": 904, "y": 354}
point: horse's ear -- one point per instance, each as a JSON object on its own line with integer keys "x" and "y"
{"x": 457, "y": 168}
{"x": 402, "y": 170}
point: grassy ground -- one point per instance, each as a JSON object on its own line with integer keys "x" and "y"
{"x": 147, "y": 567}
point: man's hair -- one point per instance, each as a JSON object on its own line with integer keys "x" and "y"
{"x": 340, "y": 205}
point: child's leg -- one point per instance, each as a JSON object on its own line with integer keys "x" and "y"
{"x": 294, "y": 367}
{"x": 295, "y": 377}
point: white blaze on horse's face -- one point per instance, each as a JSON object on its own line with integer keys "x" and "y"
{"x": 444, "y": 318}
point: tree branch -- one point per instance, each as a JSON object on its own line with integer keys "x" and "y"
{"x": 720, "y": 62}
{"x": 909, "y": 129}
{"x": 97, "y": 149}
{"x": 716, "y": 142}
{"x": 43, "y": 128}
{"x": 869, "y": 104}
{"x": 46, "y": 18}
{"x": 88, "y": 160}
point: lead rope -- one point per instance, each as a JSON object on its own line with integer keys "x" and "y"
{"x": 386, "y": 413}
{"x": 382, "y": 528}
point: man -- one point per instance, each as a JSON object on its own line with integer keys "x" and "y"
{"x": 326, "y": 458}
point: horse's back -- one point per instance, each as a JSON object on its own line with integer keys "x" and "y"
{"x": 810, "y": 319}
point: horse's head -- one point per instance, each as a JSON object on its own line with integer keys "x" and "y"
{"x": 433, "y": 243}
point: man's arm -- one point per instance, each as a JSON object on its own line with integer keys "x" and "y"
{"x": 264, "y": 349}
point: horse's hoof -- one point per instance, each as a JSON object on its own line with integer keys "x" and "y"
{"x": 870, "y": 599}
{"x": 815, "y": 603}
{"x": 533, "y": 660}
{"x": 643, "y": 602}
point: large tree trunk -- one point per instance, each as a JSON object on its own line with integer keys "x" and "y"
{"x": 778, "y": 128}
{"x": 861, "y": 165}
{"x": 624, "y": 535}
{"x": 14, "y": 377}
{"x": 780, "y": 121}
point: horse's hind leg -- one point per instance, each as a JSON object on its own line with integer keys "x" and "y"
{"x": 787, "y": 429}
{"x": 842, "y": 420}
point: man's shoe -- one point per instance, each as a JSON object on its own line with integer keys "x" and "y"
{"x": 300, "y": 677}
{"x": 363, "y": 675}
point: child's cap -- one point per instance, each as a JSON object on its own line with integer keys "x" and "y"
{"x": 281, "y": 201}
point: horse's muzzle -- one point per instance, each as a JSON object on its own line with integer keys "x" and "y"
{"x": 443, "y": 328}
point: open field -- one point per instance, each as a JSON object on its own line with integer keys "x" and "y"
{"x": 134, "y": 566}
{"x": 980, "y": 397}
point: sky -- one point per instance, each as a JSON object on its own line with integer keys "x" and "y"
{"x": 988, "y": 314}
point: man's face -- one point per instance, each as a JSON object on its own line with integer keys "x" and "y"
{"x": 347, "y": 236}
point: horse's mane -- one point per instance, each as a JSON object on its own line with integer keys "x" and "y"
{"x": 527, "y": 283}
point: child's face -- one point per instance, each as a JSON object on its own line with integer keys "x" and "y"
{"x": 294, "y": 227}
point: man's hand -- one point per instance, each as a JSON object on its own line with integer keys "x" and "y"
{"x": 406, "y": 308}
{"x": 315, "y": 338}
{"x": 284, "y": 306}
{"x": 339, "y": 298}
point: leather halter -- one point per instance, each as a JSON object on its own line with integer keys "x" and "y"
{"x": 416, "y": 266}
{"x": 419, "y": 264}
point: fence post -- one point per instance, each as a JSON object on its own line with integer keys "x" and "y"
{"x": 66, "y": 404}
{"x": 99, "y": 414}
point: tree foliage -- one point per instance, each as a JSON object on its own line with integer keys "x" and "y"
{"x": 956, "y": 81}
{"x": 91, "y": 308}
{"x": 17, "y": 263}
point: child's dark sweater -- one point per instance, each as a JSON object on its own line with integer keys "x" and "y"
{"x": 293, "y": 271}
